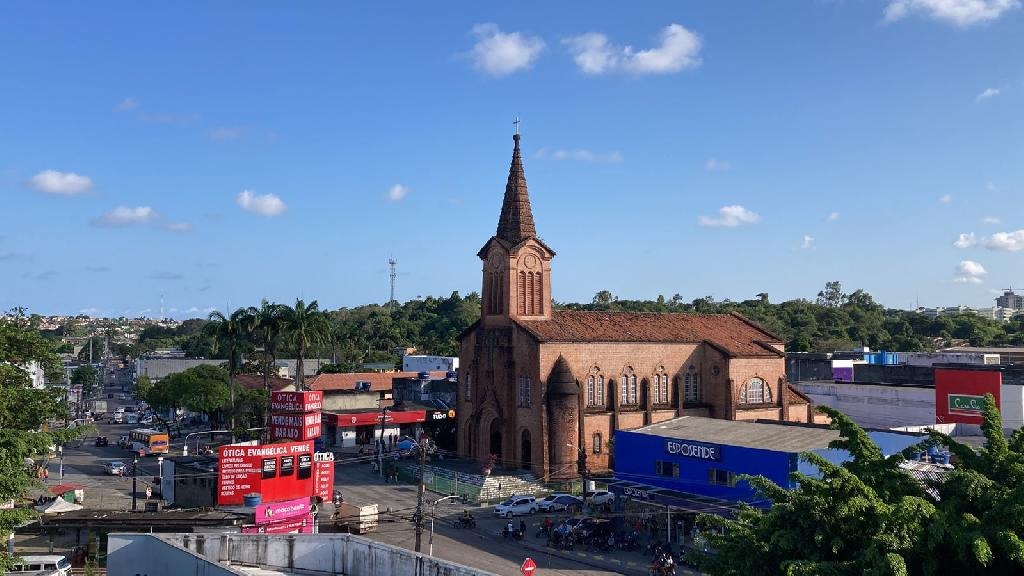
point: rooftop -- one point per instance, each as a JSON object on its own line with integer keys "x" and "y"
{"x": 733, "y": 334}
{"x": 761, "y": 435}
{"x": 347, "y": 380}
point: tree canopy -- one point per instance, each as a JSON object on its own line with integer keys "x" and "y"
{"x": 868, "y": 516}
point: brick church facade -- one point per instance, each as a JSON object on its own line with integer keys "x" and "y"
{"x": 537, "y": 385}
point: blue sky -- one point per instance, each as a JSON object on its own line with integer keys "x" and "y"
{"x": 219, "y": 153}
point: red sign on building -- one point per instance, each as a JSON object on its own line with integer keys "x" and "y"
{"x": 959, "y": 394}
{"x": 374, "y": 418}
{"x": 295, "y": 426}
{"x": 323, "y": 475}
{"x": 275, "y": 471}
{"x": 309, "y": 401}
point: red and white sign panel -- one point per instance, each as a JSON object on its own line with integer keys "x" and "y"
{"x": 275, "y": 471}
{"x": 323, "y": 475}
{"x": 295, "y": 426}
{"x": 959, "y": 394}
{"x": 271, "y": 512}
{"x": 309, "y": 401}
{"x": 528, "y": 567}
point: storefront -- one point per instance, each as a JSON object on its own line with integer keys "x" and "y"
{"x": 364, "y": 427}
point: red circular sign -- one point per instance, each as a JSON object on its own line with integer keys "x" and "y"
{"x": 528, "y": 567}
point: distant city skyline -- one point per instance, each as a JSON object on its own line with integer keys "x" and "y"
{"x": 220, "y": 154}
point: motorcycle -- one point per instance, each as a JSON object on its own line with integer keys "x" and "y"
{"x": 466, "y": 522}
{"x": 543, "y": 532}
{"x": 515, "y": 534}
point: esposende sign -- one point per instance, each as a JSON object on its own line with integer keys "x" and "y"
{"x": 697, "y": 450}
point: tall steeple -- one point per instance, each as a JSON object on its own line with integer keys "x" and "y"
{"x": 516, "y": 221}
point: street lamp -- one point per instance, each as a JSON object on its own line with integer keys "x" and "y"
{"x": 135, "y": 486}
{"x": 432, "y": 506}
{"x": 160, "y": 473}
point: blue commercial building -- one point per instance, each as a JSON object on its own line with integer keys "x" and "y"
{"x": 693, "y": 464}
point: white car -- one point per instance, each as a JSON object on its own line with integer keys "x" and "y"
{"x": 115, "y": 468}
{"x": 516, "y": 505}
{"x": 548, "y": 504}
{"x": 600, "y": 497}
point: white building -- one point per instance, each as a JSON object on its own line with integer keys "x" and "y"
{"x": 422, "y": 363}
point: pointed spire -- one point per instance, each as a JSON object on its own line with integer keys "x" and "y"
{"x": 516, "y": 221}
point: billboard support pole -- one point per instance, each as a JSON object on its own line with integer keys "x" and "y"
{"x": 419, "y": 495}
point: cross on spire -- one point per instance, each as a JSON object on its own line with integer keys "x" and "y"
{"x": 517, "y": 122}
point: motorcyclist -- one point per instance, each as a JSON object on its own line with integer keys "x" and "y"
{"x": 510, "y": 528}
{"x": 522, "y": 527}
{"x": 466, "y": 516}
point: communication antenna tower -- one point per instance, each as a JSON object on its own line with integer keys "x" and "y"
{"x": 393, "y": 265}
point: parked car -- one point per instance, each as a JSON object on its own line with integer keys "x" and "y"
{"x": 516, "y": 505}
{"x": 584, "y": 527}
{"x": 102, "y": 441}
{"x": 559, "y": 501}
{"x": 115, "y": 468}
{"x": 600, "y": 497}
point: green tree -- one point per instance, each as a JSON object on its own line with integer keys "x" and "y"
{"x": 88, "y": 378}
{"x": 832, "y": 296}
{"x": 265, "y": 325}
{"x": 230, "y": 333}
{"x": 203, "y": 389}
{"x": 305, "y": 325}
{"x": 24, "y": 413}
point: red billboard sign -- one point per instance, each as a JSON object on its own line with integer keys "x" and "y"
{"x": 309, "y": 401}
{"x": 275, "y": 471}
{"x": 323, "y": 475}
{"x": 299, "y": 524}
{"x": 270, "y": 512}
{"x": 374, "y": 418}
{"x": 295, "y": 426}
{"x": 959, "y": 394}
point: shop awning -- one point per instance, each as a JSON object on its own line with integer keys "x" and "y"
{"x": 683, "y": 501}
{"x": 373, "y": 418}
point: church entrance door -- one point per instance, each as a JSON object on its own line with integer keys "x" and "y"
{"x": 496, "y": 438}
{"x": 526, "y": 460}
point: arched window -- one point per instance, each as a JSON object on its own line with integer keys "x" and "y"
{"x": 629, "y": 390}
{"x": 691, "y": 387}
{"x": 599, "y": 391}
{"x": 597, "y": 443}
{"x": 590, "y": 391}
{"x": 524, "y": 391}
{"x": 522, "y": 294}
{"x": 661, "y": 393}
{"x": 756, "y": 391}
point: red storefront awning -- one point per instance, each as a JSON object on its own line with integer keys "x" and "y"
{"x": 373, "y": 418}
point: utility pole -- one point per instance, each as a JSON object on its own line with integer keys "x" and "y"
{"x": 419, "y": 496}
{"x": 582, "y": 463}
{"x": 135, "y": 486}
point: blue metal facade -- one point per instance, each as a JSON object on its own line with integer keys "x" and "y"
{"x": 637, "y": 457}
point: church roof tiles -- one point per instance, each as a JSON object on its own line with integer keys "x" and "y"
{"x": 733, "y": 334}
{"x": 516, "y": 221}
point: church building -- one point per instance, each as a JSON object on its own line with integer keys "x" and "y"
{"x": 539, "y": 388}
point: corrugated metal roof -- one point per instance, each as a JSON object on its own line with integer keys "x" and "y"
{"x": 760, "y": 435}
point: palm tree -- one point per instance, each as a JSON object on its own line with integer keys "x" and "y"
{"x": 230, "y": 333}
{"x": 266, "y": 325}
{"x": 305, "y": 325}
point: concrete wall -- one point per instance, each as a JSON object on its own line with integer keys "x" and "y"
{"x": 148, "y": 555}
{"x": 875, "y": 406}
{"x": 306, "y": 553}
{"x": 898, "y": 374}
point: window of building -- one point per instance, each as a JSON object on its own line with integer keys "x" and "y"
{"x": 661, "y": 388}
{"x": 666, "y": 468}
{"x": 590, "y": 390}
{"x": 721, "y": 477}
{"x": 629, "y": 394}
{"x": 756, "y": 392}
{"x": 691, "y": 388}
{"x": 597, "y": 443}
{"x": 599, "y": 390}
{"x": 524, "y": 391}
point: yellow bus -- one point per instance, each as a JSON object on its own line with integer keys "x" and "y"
{"x": 144, "y": 441}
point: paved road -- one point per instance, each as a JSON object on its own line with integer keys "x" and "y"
{"x": 482, "y": 547}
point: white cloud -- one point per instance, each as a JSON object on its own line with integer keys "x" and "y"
{"x": 945, "y": 198}
{"x": 61, "y": 183}
{"x": 225, "y": 133}
{"x": 808, "y": 242}
{"x": 730, "y": 217}
{"x": 265, "y": 205}
{"x": 716, "y": 165}
{"x": 969, "y": 272}
{"x": 990, "y": 220}
{"x": 128, "y": 104}
{"x": 126, "y": 216}
{"x": 499, "y": 53}
{"x": 594, "y": 54}
{"x": 397, "y": 192}
{"x": 832, "y": 217}
{"x": 965, "y": 240}
{"x": 956, "y": 12}
{"x": 986, "y": 94}
{"x": 180, "y": 227}
{"x": 1010, "y": 241}
{"x": 581, "y": 155}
